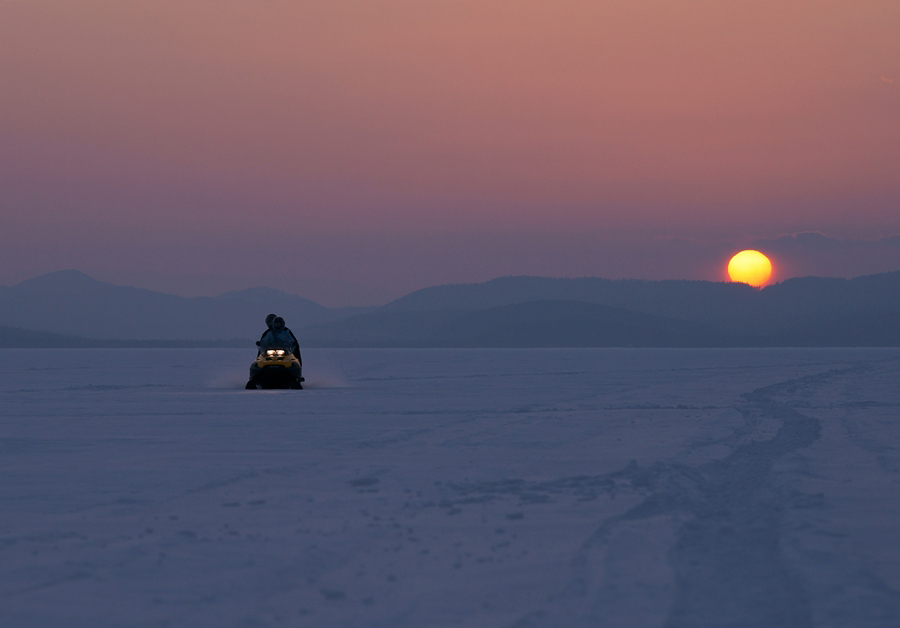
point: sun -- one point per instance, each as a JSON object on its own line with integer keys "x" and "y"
{"x": 750, "y": 267}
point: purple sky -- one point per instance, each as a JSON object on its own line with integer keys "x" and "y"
{"x": 354, "y": 151}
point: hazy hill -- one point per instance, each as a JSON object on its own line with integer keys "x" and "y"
{"x": 508, "y": 312}
{"x": 573, "y": 324}
{"x": 538, "y": 311}
{"x": 687, "y": 300}
{"x": 868, "y": 328}
{"x": 72, "y": 303}
{"x": 532, "y": 324}
{"x": 737, "y": 308}
{"x": 14, "y": 337}
{"x": 511, "y": 290}
{"x": 382, "y": 329}
{"x": 17, "y": 338}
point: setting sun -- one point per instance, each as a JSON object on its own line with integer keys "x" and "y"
{"x": 750, "y": 267}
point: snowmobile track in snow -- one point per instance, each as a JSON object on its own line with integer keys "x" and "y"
{"x": 727, "y": 557}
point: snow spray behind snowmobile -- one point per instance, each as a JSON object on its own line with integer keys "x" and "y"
{"x": 275, "y": 367}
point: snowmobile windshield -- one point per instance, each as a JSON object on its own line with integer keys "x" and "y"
{"x": 276, "y": 340}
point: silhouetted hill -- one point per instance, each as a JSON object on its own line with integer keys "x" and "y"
{"x": 629, "y": 293}
{"x": 736, "y": 308}
{"x": 533, "y": 324}
{"x": 870, "y": 328}
{"x": 573, "y": 324}
{"x": 71, "y": 303}
{"x": 17, "y": 338}
{"x": 806, "y": 296}
{"x": 380, "y": 329}
{"x": 510, "y": 311}
{"x": 14, "y": 337}
{"x": 706, "y": 301}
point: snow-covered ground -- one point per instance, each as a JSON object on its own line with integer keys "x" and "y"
{"x": 419, "y": 488}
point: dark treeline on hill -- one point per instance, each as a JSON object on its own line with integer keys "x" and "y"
{"x": 505, "y": 312}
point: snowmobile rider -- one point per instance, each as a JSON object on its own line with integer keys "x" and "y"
{"x": 269, "y": 320}
{"x": 282, "y": 335}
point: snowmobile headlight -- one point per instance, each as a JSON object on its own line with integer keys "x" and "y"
{"x": 279, "y": 352}
{"x": 270, "y": 353}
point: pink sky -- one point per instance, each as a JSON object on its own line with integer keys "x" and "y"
{"x": 391, "y": 145}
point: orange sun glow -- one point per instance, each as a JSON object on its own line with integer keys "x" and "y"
{"x": 750, "y": 267}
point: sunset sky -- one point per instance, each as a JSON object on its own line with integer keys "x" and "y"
{"x": 353, "y": 151}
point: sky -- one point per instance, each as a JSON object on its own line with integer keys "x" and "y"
{"x": 353, "y": 151}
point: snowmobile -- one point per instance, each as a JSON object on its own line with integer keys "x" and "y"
{"x": 275, "y": 367}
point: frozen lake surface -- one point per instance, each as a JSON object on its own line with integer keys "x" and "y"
{"x": 430, "y": 488}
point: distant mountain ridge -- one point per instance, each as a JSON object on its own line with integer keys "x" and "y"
{"x": 573, "y": 324}
{"x": 719, "y": 303}
{"x": 504, "y": 312}
{"x": 72, "y": 303}
{"x": 809, "y": 311}
{"x": 17, "y": 338}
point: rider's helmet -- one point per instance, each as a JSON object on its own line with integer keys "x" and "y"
{"x": 270, "y": 319}
{"x": 278, "y": 323}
